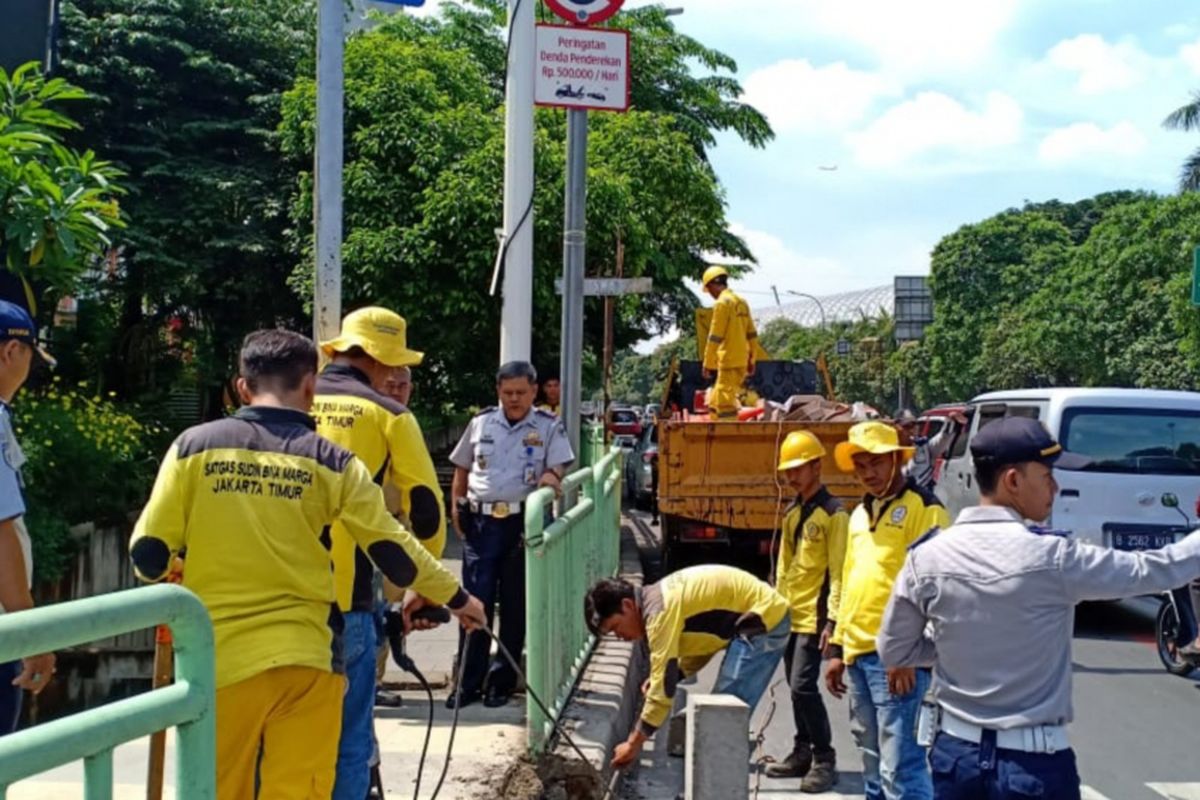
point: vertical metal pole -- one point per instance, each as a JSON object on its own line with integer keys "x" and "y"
{"x": 98, "y": 776}
{"x": 516, "y": 320}
{"x": 574, "y": 257}
{"x": 327, "y": 170}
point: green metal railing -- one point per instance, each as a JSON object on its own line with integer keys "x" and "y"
{"x": 562, "y": 561}
{"x": 591, "y": 444}
{"x": 92, "y": 735}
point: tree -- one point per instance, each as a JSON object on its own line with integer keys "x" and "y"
{"x": 424, "y": 172}
{"x": 57, "y": 205}
{"x": 1187, "y": 118}
{"x": 978, "y": 273}
{"x": 186, "y": 101}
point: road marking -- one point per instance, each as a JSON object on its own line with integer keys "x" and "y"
{"x": 1176, "y": 791}
{"x": 1088, "y": 793}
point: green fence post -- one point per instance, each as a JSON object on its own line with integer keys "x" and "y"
{"x": 98, "y": 776}
{"x": 535, "y": 596}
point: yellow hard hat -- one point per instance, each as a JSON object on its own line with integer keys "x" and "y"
{"x": 382, "y": 334}
{"x": 872, "y": 436}
{"x": 712, "y": 273}
{"x": 799, "y": 448}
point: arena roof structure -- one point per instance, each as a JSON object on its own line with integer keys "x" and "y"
{"x": 840, "y": 307}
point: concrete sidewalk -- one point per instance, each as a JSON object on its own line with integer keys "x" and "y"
{"x": 488, "y": 741}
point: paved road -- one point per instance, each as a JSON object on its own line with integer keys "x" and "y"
{"x": 1135, "y": 728}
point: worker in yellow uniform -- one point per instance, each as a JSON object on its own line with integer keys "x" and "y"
{"x": 250, "y": 498}
{"x": 729, "y": 351}
{"x": 884, "y": 703}
{"x": 809, "y": 571}
{"x": 685, "y": 619}
{"x": 372, "y": 345}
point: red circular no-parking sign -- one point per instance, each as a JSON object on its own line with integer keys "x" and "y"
{"x": 585, "y": 12}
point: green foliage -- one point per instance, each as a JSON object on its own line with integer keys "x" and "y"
{"x": 88, "y": 461}
{"x": 424, "y": 187}
{"x": 57, "y": 205}
{"x": 186, "y": 100}
{"x": 1187, "y": 118}
{"x": 638, "y": 378}
{"x": 1097, "y": 296}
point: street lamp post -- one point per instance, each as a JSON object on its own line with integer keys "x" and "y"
{"x": 821, "y": 308}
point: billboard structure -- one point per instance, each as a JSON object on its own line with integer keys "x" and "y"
{"x": 913, "y": 307}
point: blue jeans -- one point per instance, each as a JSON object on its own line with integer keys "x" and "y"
{"x": 10, "y": 697}
{"x": 884, "y": 727}
{"x": 750, "y": 663}
{"x": 358, "y": 734}
{"x": 966, "y": 771}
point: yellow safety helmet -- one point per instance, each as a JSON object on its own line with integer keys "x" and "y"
{"x": 799, "y": 448}
{"x": 712, "y": 273}
{"x": 872, "y": 436}
{"x": 382, "y": 334}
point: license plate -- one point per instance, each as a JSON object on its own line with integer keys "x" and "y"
{"x": 1125, "y": 540}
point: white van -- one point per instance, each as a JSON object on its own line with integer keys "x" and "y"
{"x": 1145, "y": 445}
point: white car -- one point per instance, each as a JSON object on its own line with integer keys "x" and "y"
{"x": 1145, "y": 446}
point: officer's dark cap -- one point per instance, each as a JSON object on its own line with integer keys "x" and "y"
{"x": 1016, "y": 440}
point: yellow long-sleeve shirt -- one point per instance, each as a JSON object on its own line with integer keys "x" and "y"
{"x": 731, "y": 335}
{"x": 692, "y": 614}
{"x": 812, "y": 547}
{"x": 388, "y": 439}
{"x": 879, "y": 535}
{"x": 250, "y": 498}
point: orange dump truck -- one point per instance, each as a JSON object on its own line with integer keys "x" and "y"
{"x": 719, "y": 495}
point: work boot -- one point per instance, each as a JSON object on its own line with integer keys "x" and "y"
{"x": 796, "y": 765}
{"x": 822, "y": 776}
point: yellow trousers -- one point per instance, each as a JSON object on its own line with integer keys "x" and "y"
{"x": 292, "y": 716}
{"x": 723, "y": 399}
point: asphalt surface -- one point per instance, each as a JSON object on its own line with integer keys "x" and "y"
{"x": 1134, "y": 732}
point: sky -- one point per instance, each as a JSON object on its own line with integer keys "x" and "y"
{"x": 935, "y": 113}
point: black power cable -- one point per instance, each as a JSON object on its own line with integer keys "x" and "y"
{"x": 395, "y": 630}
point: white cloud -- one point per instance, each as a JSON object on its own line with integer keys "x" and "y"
{"x": 796, "y": 96}
{"x": 1084, "y": 141}
{"x": 1189, "y": 54}
{"x": 782, "y": 267}
{"x": 932, "y": 121}
{"x": 918, "y": 37}
{"x": 1100, "y": 66}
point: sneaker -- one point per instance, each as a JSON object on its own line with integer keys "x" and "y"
{"x": 796, "y": 765}
{"x": 821, "y": 777}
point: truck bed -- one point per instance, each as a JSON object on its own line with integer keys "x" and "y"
{"x": 723, "y": 473}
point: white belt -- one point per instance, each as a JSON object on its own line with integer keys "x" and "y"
{"x": 1030, "y": 739}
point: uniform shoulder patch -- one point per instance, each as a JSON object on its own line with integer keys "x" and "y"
{"x": 541, "y": 412}
{"x": 484, "y": 411}
{"x": 925, "y": 537}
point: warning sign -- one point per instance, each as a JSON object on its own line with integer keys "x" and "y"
{"x": 582, "y": 68}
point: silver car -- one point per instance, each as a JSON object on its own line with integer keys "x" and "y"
{"x": 641, "y": 466}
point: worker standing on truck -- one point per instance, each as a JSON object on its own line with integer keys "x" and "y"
{"x": 685, "y": 619}
{"x": 729, "y": 352}
{"x": 884, "y": 703}
{"x": 990, "y": 604}
{"x": 811, "y": 552}
{"x": 371, "y": 346}
{"x": 251, "y": 498}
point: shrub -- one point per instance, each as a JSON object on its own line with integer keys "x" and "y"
{"x": 88, "y": 460}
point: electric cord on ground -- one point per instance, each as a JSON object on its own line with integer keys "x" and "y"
{"x": 395, "y": 632}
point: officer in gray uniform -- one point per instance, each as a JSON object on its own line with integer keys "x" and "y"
{"x": 989, "y": 603}
{"x": 505, "y": 454}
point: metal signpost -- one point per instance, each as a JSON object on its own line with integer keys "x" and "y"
{"x": 327, "y": 170}
{"x": 1196, "y": 277}
{"x": 578, "y": 68}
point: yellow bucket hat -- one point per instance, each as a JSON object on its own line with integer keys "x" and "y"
{"x": 382, "y": 334}
{"x": 870, "y": 437}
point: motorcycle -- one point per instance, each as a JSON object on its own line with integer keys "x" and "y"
{"x": 1167, "y": 633}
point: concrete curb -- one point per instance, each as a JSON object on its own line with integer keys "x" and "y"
{"x": 609, "y": 694}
